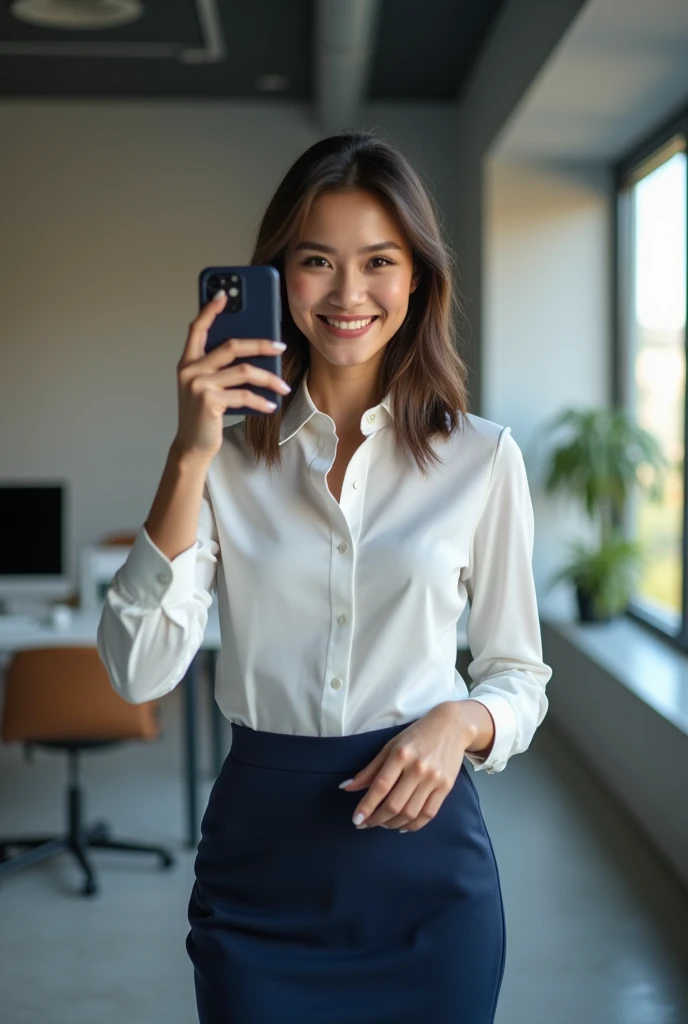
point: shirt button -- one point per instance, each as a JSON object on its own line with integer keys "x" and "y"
{"x": 490, "y": 771}
{"x": 342, "y": 620}
{"x": 343, "y": 546}
{"x": 371, "y": 418}
{"x": 162, "y": 577}
{"x": 357, "y": 484}
{"x": 335, "y": 683}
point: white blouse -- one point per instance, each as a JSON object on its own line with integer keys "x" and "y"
{"x": 340, "y": 617}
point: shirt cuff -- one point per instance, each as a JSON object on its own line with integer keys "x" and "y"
{"x": 149, "y": 578}
{"x": 505, "y": 726}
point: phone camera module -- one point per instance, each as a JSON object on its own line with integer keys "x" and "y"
{"x": 232, "y": 284}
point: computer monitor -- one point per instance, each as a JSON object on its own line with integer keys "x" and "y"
{"x": 33, "y": 543}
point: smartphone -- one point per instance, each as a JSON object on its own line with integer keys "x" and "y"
{"x": 253, "y": 310}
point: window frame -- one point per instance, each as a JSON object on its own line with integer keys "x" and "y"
{"x": 623, "y": 172}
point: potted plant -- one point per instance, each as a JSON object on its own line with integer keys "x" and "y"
{"x": 599, "y": 464}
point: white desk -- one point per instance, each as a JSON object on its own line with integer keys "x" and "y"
{"x": 82, "y": 632}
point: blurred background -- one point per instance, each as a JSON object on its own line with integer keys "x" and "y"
{"x": 141, "y": 142}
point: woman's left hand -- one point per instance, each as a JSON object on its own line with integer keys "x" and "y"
{"x": 413, "y": 772}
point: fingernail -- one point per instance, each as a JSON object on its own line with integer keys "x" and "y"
{"x": 343, "y": 784}
{"x": 384, "y": 826}
{"x": 219, "y": 295}
{"x": 403, "y": 830}
{"x": 279, "y": 345}
{"x": 358, "y": 818}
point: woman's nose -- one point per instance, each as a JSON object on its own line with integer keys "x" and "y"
{"x": 348, "y": 291}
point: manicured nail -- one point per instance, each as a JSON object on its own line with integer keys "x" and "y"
{"x": 358, "y": 818}
{"x": 343, "y": 784}
{"x": 279, "y": 345}
{"x": 403, "y": 830}
{"x": 219, "y": 295}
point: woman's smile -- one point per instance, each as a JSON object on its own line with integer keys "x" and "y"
{"x": 355, "y": 328}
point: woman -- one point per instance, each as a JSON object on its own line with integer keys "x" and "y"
{"x": 344, "y": 536}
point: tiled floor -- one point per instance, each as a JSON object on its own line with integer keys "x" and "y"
{"x": 594, "y": 923}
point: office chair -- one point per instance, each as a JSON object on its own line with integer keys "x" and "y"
{"x": 61, "y": 699}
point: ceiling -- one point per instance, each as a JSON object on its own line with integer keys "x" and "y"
{"x": 620, "y": 71}
{"x": 221, "y": 48}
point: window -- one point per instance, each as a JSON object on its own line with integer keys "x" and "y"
{"x": 652, "y": 232}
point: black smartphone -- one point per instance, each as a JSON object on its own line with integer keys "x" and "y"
{"x": 253, "y": 310}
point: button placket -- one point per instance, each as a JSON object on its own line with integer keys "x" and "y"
{"x": 338, "y": 661}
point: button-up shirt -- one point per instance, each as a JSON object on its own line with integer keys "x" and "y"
{"x": 340, "y": 617}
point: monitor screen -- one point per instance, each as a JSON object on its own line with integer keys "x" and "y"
{"x": 31, "y": 530}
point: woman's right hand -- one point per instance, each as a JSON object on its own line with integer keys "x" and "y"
{"x": 202, "y": 385}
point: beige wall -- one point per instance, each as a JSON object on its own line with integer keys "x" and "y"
{"x": 108, "y": 212}
{"x": 546, "y": 319}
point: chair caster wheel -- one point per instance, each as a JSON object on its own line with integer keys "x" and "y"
{"x": 167, "y": 861}
{"x": 90, "y": 888}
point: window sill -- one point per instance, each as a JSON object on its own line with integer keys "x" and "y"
{"x": 654, "y": 671}
{"x": 619, "y": 695}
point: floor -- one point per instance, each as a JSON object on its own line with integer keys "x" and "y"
{"x": 595, "y": 924}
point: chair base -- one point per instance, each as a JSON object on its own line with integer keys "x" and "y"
{"x": 96, "y": 837}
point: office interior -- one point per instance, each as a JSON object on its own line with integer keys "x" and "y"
{"x": 138, "y": 151}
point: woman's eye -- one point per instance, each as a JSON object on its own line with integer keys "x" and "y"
{"x": 309, "y": 262}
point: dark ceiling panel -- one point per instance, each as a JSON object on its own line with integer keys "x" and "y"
{"x": 426, "y": 49}
{"x": 261, "y": 37}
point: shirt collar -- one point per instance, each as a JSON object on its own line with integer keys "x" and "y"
{"x": 302, "y": 409}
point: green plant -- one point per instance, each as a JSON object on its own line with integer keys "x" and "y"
{"x": 600, "y": 464}
{"x": 605, "y": 576}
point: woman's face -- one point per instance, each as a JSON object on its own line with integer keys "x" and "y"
{"x": 328, "y": 276}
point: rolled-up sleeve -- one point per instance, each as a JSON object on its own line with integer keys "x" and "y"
{"x": 156, "y": 611}
{"x": 507, "y": 671}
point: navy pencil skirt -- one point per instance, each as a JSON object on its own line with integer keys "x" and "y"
{"x": 297, "y": 916}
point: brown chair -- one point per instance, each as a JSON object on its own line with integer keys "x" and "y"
{"x": 61, "y": 698}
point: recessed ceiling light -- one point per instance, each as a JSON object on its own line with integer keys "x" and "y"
{"x": 272, "y": 83}
{"x": 76, "y": 14}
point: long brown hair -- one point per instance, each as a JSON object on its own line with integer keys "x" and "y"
{"x": 420, "y": 365}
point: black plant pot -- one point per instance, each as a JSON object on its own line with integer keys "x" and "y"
{"x": 586, "y": 610}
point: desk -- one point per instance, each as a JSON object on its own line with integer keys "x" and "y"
{"x": 82, "y": 631}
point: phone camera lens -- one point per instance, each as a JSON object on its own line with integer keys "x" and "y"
{"x": 213, "y": 283}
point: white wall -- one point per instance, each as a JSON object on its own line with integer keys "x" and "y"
{"x": 524, "y": 37}
{"x": 546, "y": 314}
{"x": 108, "y": 212}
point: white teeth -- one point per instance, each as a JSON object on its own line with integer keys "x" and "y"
{"x": 349, "y": 325}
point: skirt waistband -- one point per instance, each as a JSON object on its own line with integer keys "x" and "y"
{"x": 309, "y": 753}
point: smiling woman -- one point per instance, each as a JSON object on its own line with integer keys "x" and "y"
{"x": 344, "y": 871}
{"x": 360, "y": 562}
